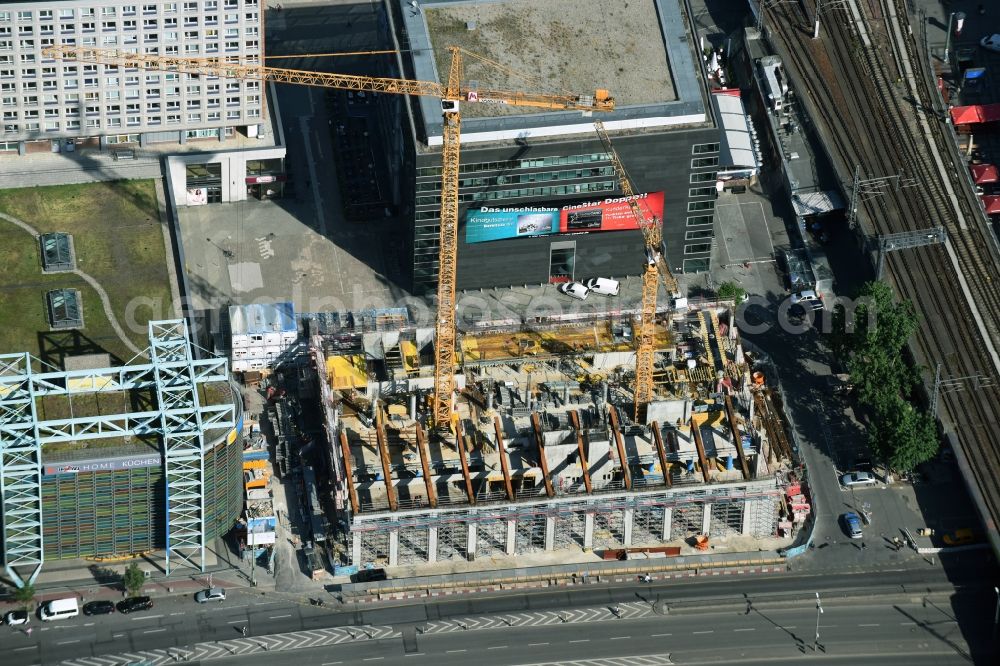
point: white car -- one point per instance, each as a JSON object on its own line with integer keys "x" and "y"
{"x": 990, "y": 42}
{"x": 574, "y": 290}
{"x": 605, "y": 286}
{"x": 16, "y": 617}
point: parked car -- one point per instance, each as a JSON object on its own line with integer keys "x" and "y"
{"x": 807, "y": 300}
{"x": 369, "y": 576}
{"x": 574, "y": 290}
{"x": 102, "y": 607}
{"x": 852, "y": 525}
{"x": 990, "y": 42}
{"x": 961, "y": 537}
{"x": 211, "y": 594}
{"x": 16, "y": 617}
{"x": 854, "y": 479}
{"x": 604, "y": 286}
{"x": 133, "y": 604}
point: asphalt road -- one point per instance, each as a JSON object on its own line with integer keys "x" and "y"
{"x": 179, "y": 621}
{"x": 859, "y": 631}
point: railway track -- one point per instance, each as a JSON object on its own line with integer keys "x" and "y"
{"x": 860, "y": 100}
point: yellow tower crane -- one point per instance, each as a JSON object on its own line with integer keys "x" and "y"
{"x": 451, "y": 94}
{"x": 656, "y": 267}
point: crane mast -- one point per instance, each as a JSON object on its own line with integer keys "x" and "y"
{"x": 451, "y": 94}
{"x": 656, "y": 268}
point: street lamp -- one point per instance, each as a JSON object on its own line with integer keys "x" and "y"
{"x": 958, "y": 20}
{"x": 996, "y": 615}
{"x": 819, "y": 611}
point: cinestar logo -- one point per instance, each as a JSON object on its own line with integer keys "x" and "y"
{"x": 518, "y": 210}
{"x": 591, "y": 204}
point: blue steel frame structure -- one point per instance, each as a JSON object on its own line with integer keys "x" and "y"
{"x": 180, "y": 421}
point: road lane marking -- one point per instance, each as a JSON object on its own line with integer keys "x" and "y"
{"x": 455, "y": 651}
{"x": 744, "y": 630}
{"x": 504, "y": 647}
{"x": 145, "y": 617}
{"x": 868, "y": 625}
{"x": 582, "y": 640}
{"x": 236, "y": 622}
{"x": 331, "y": 663}
{"x": 117, "y": 635}
{"x": 905, "y": 624}
{"x": 536, "y": 644}
{"x": 373, "y": 658}
{"x": 710, "y": 631}
{"x": 659, "y": 635}
{"x": 278, "y": 617}
{"x": 181, "y": 613}
{"x": 155, "y": 631}
{"x": 411, "y": 654}
{"x": 68, "y": 642}
{"x": 29, "y": 647}
{"x": 619, "y": 638}
{"x": 88, "y": 624}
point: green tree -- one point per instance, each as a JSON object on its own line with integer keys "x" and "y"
{"x": 730, "y": 291}
{"x": 134, "y": 579}
{"x": 25, "y": 595}
{"x": 903, "y": 435}
{"x": 873, "y": 338}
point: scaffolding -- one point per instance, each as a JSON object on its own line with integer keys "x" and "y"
{"x": 647, "y": 525}
{"x": 413, "y": 546}
{"x": 178, "y": 418}
{"x": 491, "y": 538}
{"x": 726, "y": 520}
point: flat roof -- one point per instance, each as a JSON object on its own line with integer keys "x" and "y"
{"x": 574, "y": 46}
{"x": 556, "y": 45}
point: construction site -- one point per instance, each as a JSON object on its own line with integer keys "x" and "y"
{"x": 543, "y": 451}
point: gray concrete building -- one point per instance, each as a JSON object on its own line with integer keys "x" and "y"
{"x": 525, "y": 163}
{"x": 55, "y": 105}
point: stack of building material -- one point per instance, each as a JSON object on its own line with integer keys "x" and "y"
{"x": 798, "y": 503}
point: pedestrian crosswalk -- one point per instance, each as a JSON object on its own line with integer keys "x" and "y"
{"x": 238, "y": 646}
{"x": 624, "y": 611}
{"x": 639, "y": 660}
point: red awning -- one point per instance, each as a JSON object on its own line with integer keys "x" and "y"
{"x": 992, "y": 203}
{"x": 984, "y": 173}
{"x": 975, "y": 114}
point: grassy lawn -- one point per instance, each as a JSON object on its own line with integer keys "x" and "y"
{"x": 118, "y": 240}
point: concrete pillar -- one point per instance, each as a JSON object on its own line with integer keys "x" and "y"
{"x": 747, "y": 519}
{"x": 393, "y": 547}
{"x": 706, "y": 522}
{"x": 550, "y": 533}
{"x": 432, "y": 545}
{"x": 511, "y": 537}
{"x": 627, "y": 516}
{"x": 356, "y": 549}
{"x": 470, "y": 546}
{"x": 588, "y": 532}
{"x": 182, "y": 137}
{"x": 668, "y": 516}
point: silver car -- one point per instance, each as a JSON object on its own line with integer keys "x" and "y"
{"x": 854, "y": 479}
{"x": 211, "y": 594}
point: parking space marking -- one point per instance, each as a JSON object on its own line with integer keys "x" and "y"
{"x": 145, "y": 617}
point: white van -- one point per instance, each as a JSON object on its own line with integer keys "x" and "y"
{"x": 603, "y": 286}
{"x": 60, "y": 609}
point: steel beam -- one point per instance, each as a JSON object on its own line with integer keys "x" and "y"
{"x": 542, "y": 461}
{"x": 383, "y": 453}
{"x": 661, "y": 453}
{"x": 504, "y": 463}
{"x": 700, "y": 445}
{"x": 622, "y": 460}
{"x": 346, "y": 449}
{"x": 737, "y": 441}
{"x": 460, "y": 447}
{"x": 425, "y": 466}
{"x": 575, "y": 416}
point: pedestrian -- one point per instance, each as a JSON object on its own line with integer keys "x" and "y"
{"x": 863, "y": 545}
{"x": 27, "y": 632}
{"x": 244, "y": 630}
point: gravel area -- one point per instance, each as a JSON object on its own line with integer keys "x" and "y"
{"x": 555, "y": 46}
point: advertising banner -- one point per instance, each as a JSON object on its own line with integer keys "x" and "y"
{"x": 261, "y": 531}
{"x": 102, "y": 464}
{"x": 612, "y": 214}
